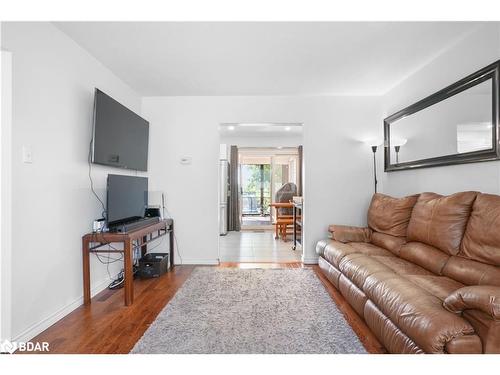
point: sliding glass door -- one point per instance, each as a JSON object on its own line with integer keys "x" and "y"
{"x": 255, "y": 189}
{"x": 263, "y": 171}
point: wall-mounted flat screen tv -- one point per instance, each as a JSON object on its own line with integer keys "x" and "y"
{"x": 120, "y": 136}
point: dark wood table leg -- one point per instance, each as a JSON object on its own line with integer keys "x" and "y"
{"x": 86, "y": 270}
{"x": 129, "y": 273}
{"x": 171, "y": 246}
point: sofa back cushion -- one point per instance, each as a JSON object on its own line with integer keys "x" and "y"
{"x": 425, "y": 256}
{"x": 440, "y": 221}
{"x": 390, "y": 215}
{"x": 482, "y": 236}
{"x": 386, "y": 241}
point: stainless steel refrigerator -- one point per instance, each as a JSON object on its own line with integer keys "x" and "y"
{"x": 223, "y": 196}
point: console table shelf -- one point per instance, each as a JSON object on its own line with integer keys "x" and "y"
{"x": 93, "y": 243}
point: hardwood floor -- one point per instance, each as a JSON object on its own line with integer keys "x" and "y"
{"x": 107, "y": 326}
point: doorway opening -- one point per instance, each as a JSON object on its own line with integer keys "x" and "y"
{"x": 263, "y": 172}
{"x": 261, "y": 175}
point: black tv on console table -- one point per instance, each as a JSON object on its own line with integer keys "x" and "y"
{"x": 127, "y": 199}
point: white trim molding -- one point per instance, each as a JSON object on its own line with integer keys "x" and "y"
{"x": 200, "y": 262}
{"x": 310, "y": 260}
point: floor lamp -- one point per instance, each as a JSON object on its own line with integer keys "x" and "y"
{"x": 374, "y": 146}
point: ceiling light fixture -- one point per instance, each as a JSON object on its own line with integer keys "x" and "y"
{"x": 287, "y": 128}
{"x": 231, "y": 127}
{"x": 253, "y": 125}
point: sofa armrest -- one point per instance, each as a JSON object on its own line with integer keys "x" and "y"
{"x": 344, "y": 233}
{"x": 481, "y": 297}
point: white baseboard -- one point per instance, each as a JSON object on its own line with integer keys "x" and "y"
{"x": 41, "y": 326}
{"x": 310, "y": 260}
{"x": 200, "y": 262}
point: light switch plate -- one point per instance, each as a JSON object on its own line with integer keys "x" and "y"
{"x": 27, "y": 155}
{"x": 186, "y": 160}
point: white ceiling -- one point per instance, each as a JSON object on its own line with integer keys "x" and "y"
{"x": 275, "y": 58}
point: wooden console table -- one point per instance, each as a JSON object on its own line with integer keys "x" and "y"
{"x": 93, "y": 242}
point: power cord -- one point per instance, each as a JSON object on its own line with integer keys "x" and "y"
{"x": 109, "y": 260}
{"x": 177, "y": 248}
{"x": 89, "y": 160}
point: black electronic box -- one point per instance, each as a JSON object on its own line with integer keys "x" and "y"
{"x": 153, "y": 265}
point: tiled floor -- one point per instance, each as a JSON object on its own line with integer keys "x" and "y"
{"x": 255, "y": 220}
{"x": 247, "y": 246}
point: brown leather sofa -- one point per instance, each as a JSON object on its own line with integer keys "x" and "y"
{"x": 425, "y": 273}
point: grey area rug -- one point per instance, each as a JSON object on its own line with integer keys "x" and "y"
{"x": 224, "y": 310}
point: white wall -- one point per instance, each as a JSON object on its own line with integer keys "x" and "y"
{"x": 5, "y": 195}
{"x": 338, "y": 170}
{"x": 53, "y": 83}
{"x": 472, "y": 53}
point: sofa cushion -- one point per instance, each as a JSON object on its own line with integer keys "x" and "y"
{"x": 390, "y": 215}
{"x": 331, "y": 273}
{"x": 394, "y": 340}
{"x": 415, "y": 311}
{"x": 425, "y": 256}
{"x": 482, "y": 236}
{"x": 470, "y": 272}
{"x": 334, "y": 251}
{"x": 401, "y": 266}
{"x": 370, "y": 249}
{"x": 357, "y": 267}
{"x": 440, "y": 221}
{"x": 352, "y": 294}
{"x": 386, "y": 241}
{"x": 439, "y": 286}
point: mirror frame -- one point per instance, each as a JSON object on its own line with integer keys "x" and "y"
{"x": 492, "y": 72}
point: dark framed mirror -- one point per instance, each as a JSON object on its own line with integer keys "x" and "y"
{"x": 458, "y": 124}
